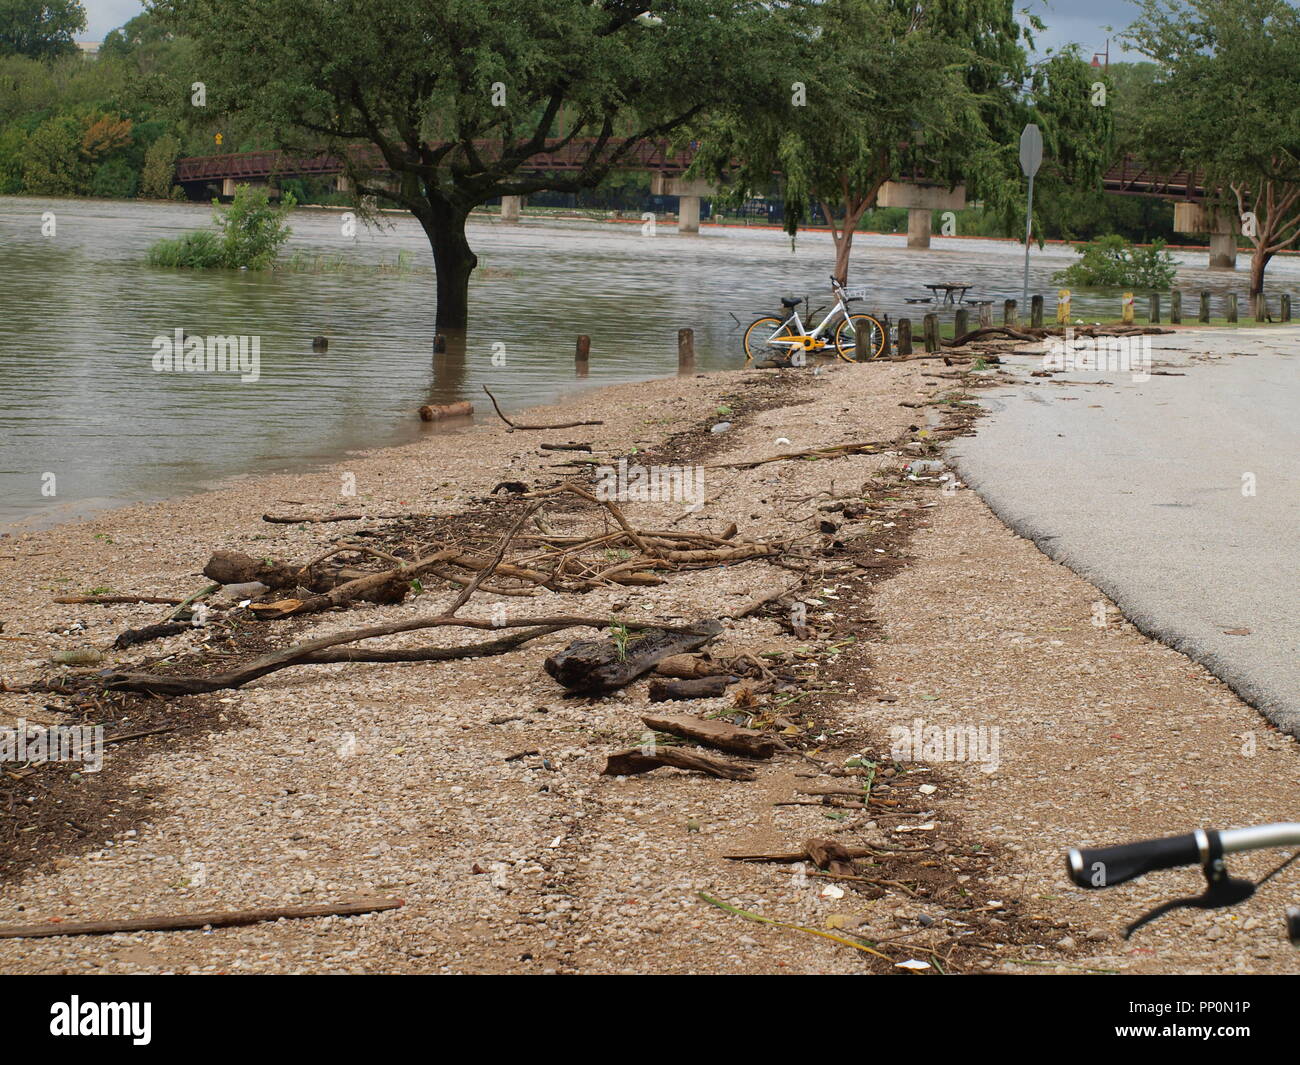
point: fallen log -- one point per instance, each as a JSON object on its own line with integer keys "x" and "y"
{"x": 661, "y": 691}
{"x": 634, "y": 761}
{"x": 711, "y": 733}
{"x": 603, "y": 665}
{"x": 218, "y": 919}
{"x": 390, "y": 586}
{"x": 432, "y": 412}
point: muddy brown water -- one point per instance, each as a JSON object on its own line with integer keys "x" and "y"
{"x": 86, "y": 419}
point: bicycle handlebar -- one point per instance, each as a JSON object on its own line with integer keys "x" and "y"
{"x": 1103, "y": 867}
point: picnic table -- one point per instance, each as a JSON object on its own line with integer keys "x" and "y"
{"x": 949, "y": 289}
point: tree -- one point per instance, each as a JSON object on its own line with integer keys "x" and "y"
{"x": 159, "y": 168}
{"x": 460, "y": 102}
{"x": 1227, "y": 103}
{"x": 936, "y": 91}
{"x": 52, "y": 161}
{"x": 40, "y": 28}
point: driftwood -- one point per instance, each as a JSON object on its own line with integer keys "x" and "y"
{"x": 432, "y": 412}
{"x": 603, "y": 665}
{"x": 520, "y": 425}
{"x": 308, "y": 519}
{"x": 1040, "y": 332}
{"x": 662, "y": 691}
{"x": 688, "y": 667}
{"x": 823, "y": 853}
{"x": 635, "y": 761}
{"x": 108, "y": 600}
{"x": 390, "y": 586}
{"x": 565, "y": 447}
{"x": 218, "y": 919}
{"x": 834, "y": 451}
{"x": 711, "y": 733}
{"x": 306, "y": 654}
{"x": 150, "y": 632}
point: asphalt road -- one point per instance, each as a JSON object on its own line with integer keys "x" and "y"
{"x": 1142, "y": 488}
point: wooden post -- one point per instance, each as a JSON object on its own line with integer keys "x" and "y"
{"x": 1063, "y": 307}
{"x": 1232, "y": 307}
{"x": 1285, "y": 314}
{"x": 1261, "y": 307}
{"x": 931, "y": 322}
{"x": 685, "y": 350}
{"x": 961, "y": 324}
{"x": 1176, "y": 307}
{"x": 1153, "y": 309}
{"x": 1036, "y": 312}
{"x": 1204, "y": 315}
{"x": 1126, "y": 308}
{"x": 886, "y": 352}
{"x": 904, "y": 337}
{"x": 439, "y": 343}
{"x": 583, "y": 351}
{"x": 986, "y": 315}
{"x": 1010, "y": 316}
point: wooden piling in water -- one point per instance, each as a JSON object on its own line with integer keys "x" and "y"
{"x": 1261, "y": 307}
{"x": 1204, "y": 314}
{"x": 1232, "y": 307}
{"x": 583, "y": 351}
{"x": 986, "y": 315}
{"x": 931, "y": 324}
{"x": 1176, "y": 307}
{"x": 1010, "y": 316}
{"x": 961, "y": 324}
{"x": 1036, "y": 312}
{"x": 1153, "y": 308}
{"x": 1285, "y": 311}
{"x": 685, "y": 351}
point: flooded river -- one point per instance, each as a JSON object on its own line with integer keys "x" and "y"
{"x": 80, "y": 398}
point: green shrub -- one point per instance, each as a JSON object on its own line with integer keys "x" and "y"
{"x": 114, "y": 179}
{"x": 1114, "y": 263}
{"x": 253, "y": 229}
{"x": 195, "y": 251}
{"x": 252, "y": 233}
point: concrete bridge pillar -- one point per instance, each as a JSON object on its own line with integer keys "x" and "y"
{"x": 510, "y": 206}
{"x": 918, "y": 227}
{"x": 920, "y": 200}
{"x": 688, "y": 193}
{"x": 1222, "y": 227}
{"x": 688, "y": 214}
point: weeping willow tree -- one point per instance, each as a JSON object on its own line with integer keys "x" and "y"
{"x": 882, "y": 90}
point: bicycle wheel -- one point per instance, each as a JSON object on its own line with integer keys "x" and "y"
{"x": 759, "y": 335}
{"x": 859, "y": 338}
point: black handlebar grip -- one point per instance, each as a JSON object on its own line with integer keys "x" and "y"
{"x": 1103, "y": 867}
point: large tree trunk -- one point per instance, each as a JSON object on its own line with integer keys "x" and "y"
{"x": 1258, "y": 264}
{"x": 453, "y": 262}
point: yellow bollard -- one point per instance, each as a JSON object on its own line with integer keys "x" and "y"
{"x": 1127, "y": 304}
{"x": 1063, "y": 307}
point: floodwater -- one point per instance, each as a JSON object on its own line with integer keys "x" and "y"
{"x": 84, "y": 412}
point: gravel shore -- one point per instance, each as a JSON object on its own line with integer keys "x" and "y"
{"x": 326, "y": 783}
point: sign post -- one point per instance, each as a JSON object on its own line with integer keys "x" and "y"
{"x": 1031, "y": 158}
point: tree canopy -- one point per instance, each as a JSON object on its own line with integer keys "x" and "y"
{"x": 1226, "y": 101}
{"x": 40, "y": 28}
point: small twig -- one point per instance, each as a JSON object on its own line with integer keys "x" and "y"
{"x": 520, "y": 425}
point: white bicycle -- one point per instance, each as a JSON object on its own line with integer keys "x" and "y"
{"x": 855, "y": 337}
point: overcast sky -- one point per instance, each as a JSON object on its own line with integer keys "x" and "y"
{"x": 1067, "y": 20}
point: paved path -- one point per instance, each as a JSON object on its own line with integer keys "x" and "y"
{"x": 1142, "y": 488}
